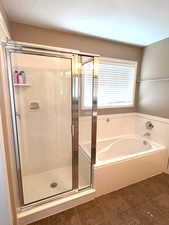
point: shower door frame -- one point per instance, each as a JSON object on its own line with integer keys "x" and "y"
{"x": 25, "y": 48}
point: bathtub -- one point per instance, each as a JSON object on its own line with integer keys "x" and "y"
{"x": 126, "y": 160}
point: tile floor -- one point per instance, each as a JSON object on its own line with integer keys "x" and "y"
{"x": 144, "y": 203}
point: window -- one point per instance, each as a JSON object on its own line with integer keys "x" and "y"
{"x": 116, "y": 83}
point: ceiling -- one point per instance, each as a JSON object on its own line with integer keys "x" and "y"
{"x": 138, "y": 22}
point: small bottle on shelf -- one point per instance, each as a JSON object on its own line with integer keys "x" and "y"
{"x": 20, "y": 78}
{"x": 15, "y": 77}
{"x": 23, "y": 77}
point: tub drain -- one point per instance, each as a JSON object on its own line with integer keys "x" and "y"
{"x": 53, "y": 185}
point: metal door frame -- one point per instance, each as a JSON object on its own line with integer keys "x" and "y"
{"x": 24, "y": 48}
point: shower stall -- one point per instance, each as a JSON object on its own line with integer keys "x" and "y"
{"x": 53, "y": 104}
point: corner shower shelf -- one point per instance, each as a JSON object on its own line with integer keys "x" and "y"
{"x": 22, "y": 85}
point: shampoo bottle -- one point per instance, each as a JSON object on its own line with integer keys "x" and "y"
{"x": 20, "y": 78}
{"x": 23, "y": 77}
{"x": 15, "y": 77}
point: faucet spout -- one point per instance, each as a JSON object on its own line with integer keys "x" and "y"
{"x": 147, "y": 134}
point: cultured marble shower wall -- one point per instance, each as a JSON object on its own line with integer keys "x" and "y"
{"x": 45, "y": 133}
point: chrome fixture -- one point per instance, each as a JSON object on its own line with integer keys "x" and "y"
{"x": 53, "y": 184}
{"x": 149, "y": 125}
{"x": 147, "y": 134}
{"x": 34, "y": 106}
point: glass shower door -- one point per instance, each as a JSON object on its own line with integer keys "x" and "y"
{"x": 53, "y": 106}
{"x": 86, "y": 79}
{"x": 42, "y": 91}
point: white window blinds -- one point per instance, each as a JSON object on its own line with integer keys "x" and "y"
{"x": 116, "y": 83}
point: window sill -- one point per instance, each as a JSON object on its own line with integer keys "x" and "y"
{"x": 117, "y": 106}
{"x": 111, "y": 107}
{"x": 107, "y": 111}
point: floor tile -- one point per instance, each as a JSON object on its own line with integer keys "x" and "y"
{"x": 144, "y": 203}
{"x": 69, "y": 217}
{"x": 162, "y": 202}
{"x": 133, "y": 195}
{"x": 152, "y": 187}
{"x": 91, "y": 214}
{"x": 148, "y": 213}
{"x": 130, "y": 217}
{"x": 113, "y": 204}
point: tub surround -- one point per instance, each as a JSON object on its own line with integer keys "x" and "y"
{"x": 110, "y": 126}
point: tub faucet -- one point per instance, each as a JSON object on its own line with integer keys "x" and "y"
{"x": 147, "y": 134}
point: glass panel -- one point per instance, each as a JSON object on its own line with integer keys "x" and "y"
{"x": 42, "y": 89}
{"x": 85, "y": 120}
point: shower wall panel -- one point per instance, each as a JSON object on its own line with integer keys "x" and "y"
{"x": 45, "y": 140}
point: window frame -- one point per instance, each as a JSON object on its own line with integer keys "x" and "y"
{"x": 120, "y": 105}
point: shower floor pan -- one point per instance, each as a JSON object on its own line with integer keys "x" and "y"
{"x": 39, "y": 186}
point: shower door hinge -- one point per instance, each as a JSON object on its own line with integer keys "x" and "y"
{"x": 73, "y": 130}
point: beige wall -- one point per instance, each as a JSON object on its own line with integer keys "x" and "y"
{"x": 7, "y": 207}
{"x": 4, "y": 24}
{"x": 26, "y": 33}
{"x": 154, "y": 95}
